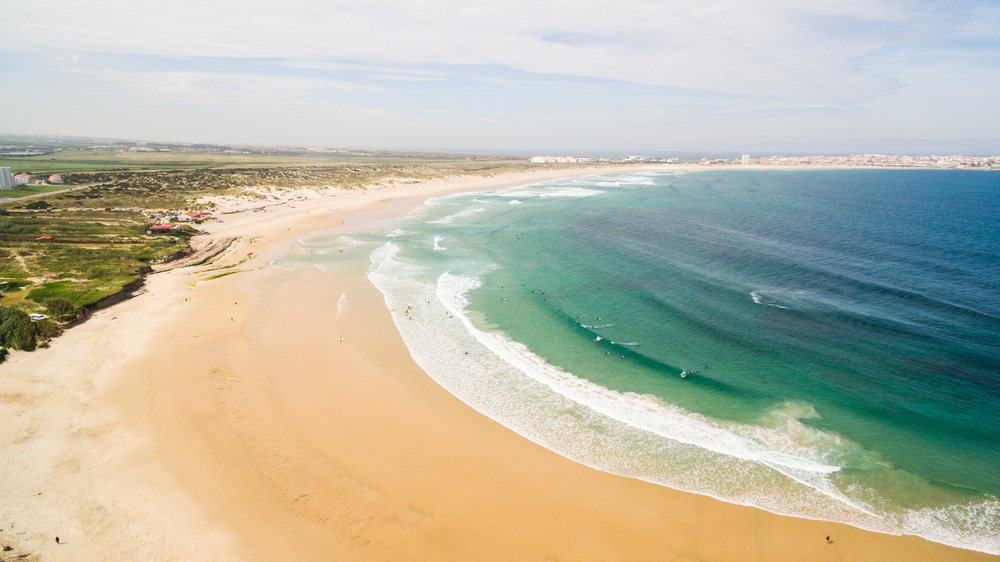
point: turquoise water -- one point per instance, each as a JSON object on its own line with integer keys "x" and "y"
{"x": 838, "y": 332}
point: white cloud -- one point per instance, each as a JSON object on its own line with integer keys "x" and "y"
{"x": 811, "y": 50}
{"x": 378, "y": 72}
{"x": 406, "y": 77}
{"x": 228, "y": 88}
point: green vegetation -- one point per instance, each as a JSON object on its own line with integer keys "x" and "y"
{"x": 67, "y": 261}
{"x": 17, "y": 331}
{"x": 61, "y": 308}
{"x": 216, "y": 276}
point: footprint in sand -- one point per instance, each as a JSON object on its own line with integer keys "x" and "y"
{"x": 167, "y": 336}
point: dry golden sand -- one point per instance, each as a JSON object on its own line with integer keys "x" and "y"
{"x": 226, "y": 421}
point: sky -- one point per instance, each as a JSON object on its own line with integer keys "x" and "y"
{"x": 678, "y": 77}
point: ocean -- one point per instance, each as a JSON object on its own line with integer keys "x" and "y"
{"x": 816, "y": 343}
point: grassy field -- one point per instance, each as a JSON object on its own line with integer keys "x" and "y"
{"x": 76, "y": 257}
{"x": 26, "y": 190}
{"x": 101, "y": 161}
{"x": 106, "y": 161}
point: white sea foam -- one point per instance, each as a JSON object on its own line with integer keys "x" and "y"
{"x": 349, "y": 241}
{"x": 451, "y": 218}
{"x": 273, "y": 262}
{"x": 573, "y": 192}
{"x": 760, "y": 298}
{"x": 643, "y": 412}
{"x": 522, "y": 193}
{"x": 341, "y": 305}
{"x": 515, "y": 202}
{"x": 396, "y": 233}
{"x": 437, "y": 245}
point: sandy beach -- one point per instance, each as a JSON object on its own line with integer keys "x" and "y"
{"x": 225, "y": 419}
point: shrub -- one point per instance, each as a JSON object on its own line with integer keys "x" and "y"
{"x": 61, "y": 307}
{"x": 46, "y": 328}
{"x": 12, "y": 227}
{"x": 16, "y": 329}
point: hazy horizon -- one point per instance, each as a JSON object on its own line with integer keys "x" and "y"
{"x": 522, "y": 152}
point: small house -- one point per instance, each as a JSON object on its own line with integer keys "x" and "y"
{"x": 163, "y": 228}
{"x": 55, "y": 179}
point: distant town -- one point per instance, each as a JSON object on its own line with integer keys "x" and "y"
{"x": 22, "y": 151}
{"x": 859, "y": 160}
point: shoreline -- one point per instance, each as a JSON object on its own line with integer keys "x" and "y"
{"x": 158, "y": 429}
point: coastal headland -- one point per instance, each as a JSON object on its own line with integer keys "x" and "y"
{"x": 238, "y": 411}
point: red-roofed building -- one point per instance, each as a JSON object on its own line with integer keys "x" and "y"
{"x": 163, "y": 228}
{"x": 55, "y": 179}
{"x": 22, "y": 179}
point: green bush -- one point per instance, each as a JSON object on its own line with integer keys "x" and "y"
{"x": 16, "y": 329}
{"x": 46, "y": 328}
{"x": 3, "y": 354}
{"x": 61, "y": 307}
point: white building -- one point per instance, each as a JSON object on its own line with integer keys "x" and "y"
{"x": 55, "y": 179}
{"x": 22, "y": 179}
{"x": 6, "y": 179}
{"x": 746, "y": 159}
{"x": 559, "y": 160}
